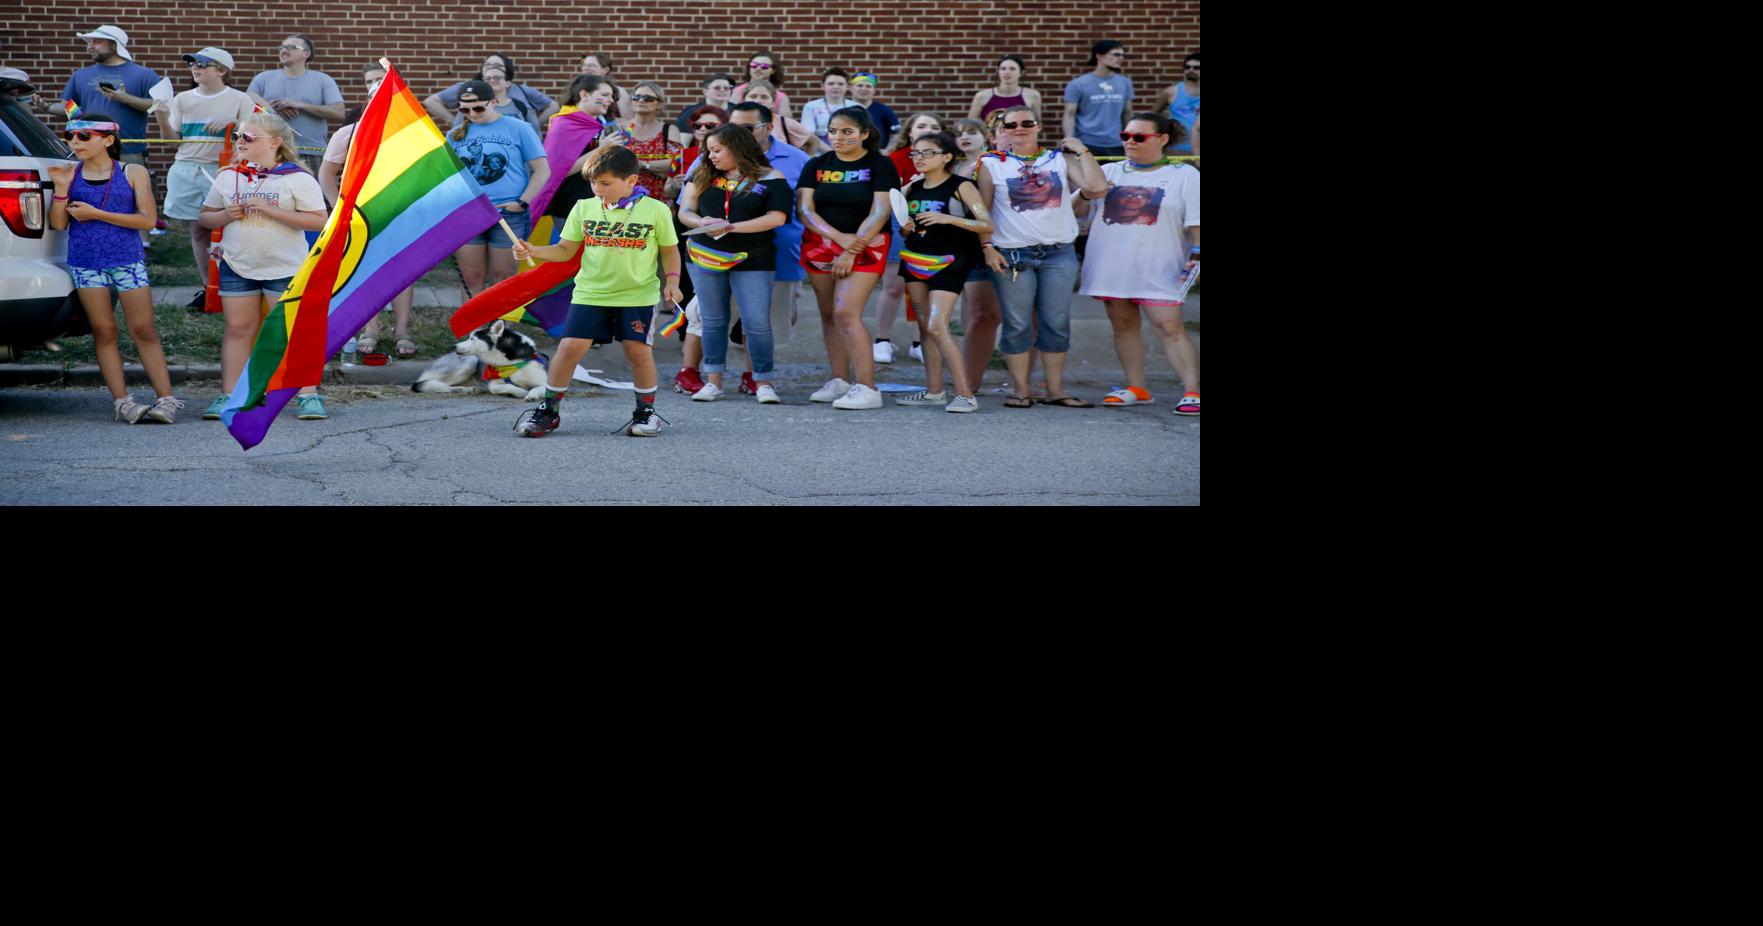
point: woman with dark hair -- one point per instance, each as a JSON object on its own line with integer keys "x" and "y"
{"x": 1142, "y": 247}
{"x": 980, "y": 316}
{"x": 942, "y": 243}
{"x": 599, "y": 64}
{"x": 843, "y": 200}
{"x": 520, "y": 100}
{"x": 572, "y": 138}
{"x": 105, "y": 204}
{"x": 1008, "y": 92}
{"x": 739, "y": 261}
{"x": 762, "y": 65}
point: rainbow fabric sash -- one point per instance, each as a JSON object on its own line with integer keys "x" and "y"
{"x": 925, "y": 266}
{"x": 712, "y": 259}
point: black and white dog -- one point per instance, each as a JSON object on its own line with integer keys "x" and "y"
{"x": 506, "y": 361}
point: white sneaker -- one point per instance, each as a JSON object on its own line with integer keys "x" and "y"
{"x": 768, "y": 395}
{"x": 884, "y": 352}
{"x": 645, "y": 423}
{"x": 924, "y": 398}
{"x": 833, "y": 390}
{"x": 917, "y": 352}
{"x": 710, "y": 393}
{"x": 860, "y": 396}
{"x": 129, "y": 410}
{"x": 962, "y": 404}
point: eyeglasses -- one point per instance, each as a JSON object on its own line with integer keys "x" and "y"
{"x": 82, "y": 136}
{"x": 1024, "y": 124}
{"x": 1137, "y": 138}
{"x": 645, "y": 98}
{"x": 707, "y": 126}
{"x": 474, "y": 109}
{"x": 916, "y": 154}
{"x": 201, "y": 63}
{"x": 759, "y": 67}
{"x": 247, "y": 137}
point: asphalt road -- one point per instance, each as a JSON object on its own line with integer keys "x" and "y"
{"x": 384, "y": 445}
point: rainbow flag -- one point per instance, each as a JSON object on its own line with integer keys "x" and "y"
{"x": 406, "y": 204}
{"x": 539, "y": 296}
{"x": 73, "y": 110}
{"x": 710, "y": 258}
{"x": 925, "y": 266}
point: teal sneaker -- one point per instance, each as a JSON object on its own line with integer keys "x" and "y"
{"x": 214, "y": 409}
{"x": 311, "y": 407}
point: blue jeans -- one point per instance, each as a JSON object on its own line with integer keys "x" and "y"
{"x": 752, "y": 294}
{"x": 1037, "y": 304}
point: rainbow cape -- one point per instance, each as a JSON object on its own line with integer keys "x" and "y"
{"x": 406, "y": 203}
{"x": 710, "y": 258}
{"x": 925, "y": 266}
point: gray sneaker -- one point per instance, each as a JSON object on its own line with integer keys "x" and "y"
{"x": 129, "y": 410}
{"x": 165, "y": 411}
{"x": 962, "y": 404}
{"x": 924, "y": 398}
{"x": 834, "y": 390}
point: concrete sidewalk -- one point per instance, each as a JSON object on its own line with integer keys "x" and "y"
{"x": 1091, "y": 364}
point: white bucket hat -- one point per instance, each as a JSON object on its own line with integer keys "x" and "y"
{"x": 114, "y": 34}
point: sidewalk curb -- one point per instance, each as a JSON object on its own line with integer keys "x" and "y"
{"x": 395, "y": 373}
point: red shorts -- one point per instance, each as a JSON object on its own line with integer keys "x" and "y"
{"x": 818, "y": 254}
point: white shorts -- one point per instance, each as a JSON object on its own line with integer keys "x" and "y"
{"x": 185, "y": 189}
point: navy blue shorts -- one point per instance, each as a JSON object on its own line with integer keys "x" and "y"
{"x": 602, "y": 324}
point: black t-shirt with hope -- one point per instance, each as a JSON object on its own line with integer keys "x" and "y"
{"x": 748, "y": 200}
{"x": 844, "y": 191}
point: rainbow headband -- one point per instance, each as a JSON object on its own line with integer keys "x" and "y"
{"x": 866, "y": 76}
{"x": 81, "y": 125}
{"x": 712, "y": 259}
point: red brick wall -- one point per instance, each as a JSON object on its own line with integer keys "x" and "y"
{"x": 929, "y": 55}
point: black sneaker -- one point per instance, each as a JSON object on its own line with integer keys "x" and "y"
{"x": 644, "y": 422}
{"x": 200, "y": 300}
{"x": 537, "y": 422}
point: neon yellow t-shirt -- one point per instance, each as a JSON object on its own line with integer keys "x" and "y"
{"x": 621, "y": 249}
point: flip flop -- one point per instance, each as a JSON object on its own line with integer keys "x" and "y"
{"x": 406, "y": 347}
{"x": 1065, "y": 401}
{"x": 1019, "y": 401}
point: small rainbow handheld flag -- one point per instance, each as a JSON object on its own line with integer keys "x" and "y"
{"x": 925, "y": 266}
{"x": 679, "y": 321}
{"x": 712, "y": 259}
{"x": 73, "y": 110}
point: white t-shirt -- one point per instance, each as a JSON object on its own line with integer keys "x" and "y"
{"x": 191, "y": 112}
{"x": 1138, "y": 242}
{"x": 1035, "y": 209}
{"x": 258, "y": 247}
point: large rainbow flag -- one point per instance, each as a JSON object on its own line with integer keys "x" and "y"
{"x": 406, "y": 203}
{"x": 539, "y": 296}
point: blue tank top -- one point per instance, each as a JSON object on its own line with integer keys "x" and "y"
{"x": 1184, "y": 109}
{"x": 97, "y": 245}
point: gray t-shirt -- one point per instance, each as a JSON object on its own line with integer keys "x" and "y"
{"x": 1101, "y": 107}
{"x": 315, "y": 87}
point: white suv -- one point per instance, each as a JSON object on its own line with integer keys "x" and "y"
{"x": 37, "y": 300}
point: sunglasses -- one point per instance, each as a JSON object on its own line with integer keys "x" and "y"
{"x": 247, "y": 137}
{"x": 645, "y": 98}
{"x": 1025, "y": 124}
{"x": 474, "y": 109}
{"x": 706, "y": 126}
{"x": 758, "y": 67}
{"x": 201, "y": 63}
{"x": 82, "y": 136}
{"x": 1137, "y": 138}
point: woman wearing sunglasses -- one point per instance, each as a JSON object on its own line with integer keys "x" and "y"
{"x": 265, "y": 203}
{"x": 515, "y": 99}
{"x": 1030, "y": 193}
{"x": 703, "y": 120}
{"x": 762, "y": 65}
{"x": 105, "y": 205}
{"x": 1142, "y": 246}
{"x": 652, "y": 140}
{"x": 507, "y": 161}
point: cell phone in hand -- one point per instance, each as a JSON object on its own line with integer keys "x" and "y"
{"x": 109, "y": 85}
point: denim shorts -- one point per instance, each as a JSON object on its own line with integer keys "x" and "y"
{"x": 495, "y": 237}
{"x": 122, "y": 279}
{"x": 231, "y": 284}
